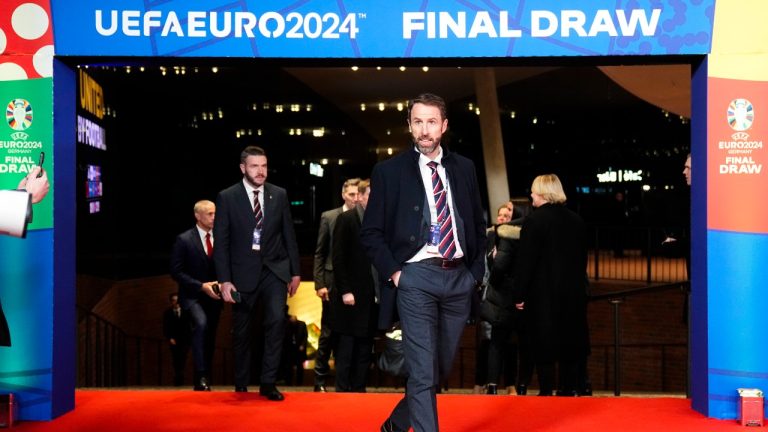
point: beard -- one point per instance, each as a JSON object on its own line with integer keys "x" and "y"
{"x": 426, "y": 147}
{"x": 255, "y": 181}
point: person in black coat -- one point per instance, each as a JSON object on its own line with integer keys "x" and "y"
{"x": 431, "y": 260}
{"x": 257, "y": 261}
{"x": 176, "y": 331}
{"x": 192, "y": 268}
{"x": 353, "y": 301}
{"x": 550, "y": 286}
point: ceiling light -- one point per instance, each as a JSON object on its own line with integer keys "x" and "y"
{"x": 512, "y": 114}
{"x": 389, "y": 151}
{"x": 402, "y": 68}
{"x": 378, "y": 67}
{"x": 399, "y": 106}
{"x": 425, "y": 68}
{"x": 215, "y": 69}
{"x": 309, "y": 107}
{"x": 477, "y": 110}
{"x": 535, "y": 120}
{"x": 354, "y": 68}
{"x": 362, "y": 107}
{"x": 341, "y": 161}
{"x": 381, "y": 106}
{"x": 324, "y": 161}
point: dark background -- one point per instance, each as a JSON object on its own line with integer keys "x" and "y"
{"x": 162, "y": 156}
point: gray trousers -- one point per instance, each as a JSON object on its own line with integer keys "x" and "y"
{"x": 434, "y": 305}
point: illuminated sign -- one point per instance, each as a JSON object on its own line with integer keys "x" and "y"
{"x": 91, "y": 95}
{"x": 620, "y": 176}
{"x": 315, "y": 169}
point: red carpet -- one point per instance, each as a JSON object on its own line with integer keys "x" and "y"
{"x": 159, "y": 410}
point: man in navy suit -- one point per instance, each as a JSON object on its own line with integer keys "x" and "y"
{"x": 257, "y": 261}
{"x": 192, "y": 268}
{"x": 425, "y": 234}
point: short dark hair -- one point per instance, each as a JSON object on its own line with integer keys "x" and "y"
{"x": 430, "y": 100}
{"x": 172, "y": 295}
{"x": 251, "y": 151}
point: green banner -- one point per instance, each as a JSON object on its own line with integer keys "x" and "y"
{"x": 27, "y": 130}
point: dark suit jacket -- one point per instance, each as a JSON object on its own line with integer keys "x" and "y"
{"x": 396, "y": 223}
{"x": 353, "y": 275}
{"x": 177, "y": 327}
{"x": 191, "y": 267}
{"x": 235, "y": 260}
{"x": 323, "y": 250}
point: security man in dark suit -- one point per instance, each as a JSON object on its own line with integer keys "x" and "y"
{"x": 257, "y": 261}
{"x": 424, "y": 232}
{"x": 192, "y": 268}
{"x": 324, "y": 284}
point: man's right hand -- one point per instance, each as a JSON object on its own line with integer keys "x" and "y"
{"x": 226, "y": 291}
{"x": 396, "y": 278}
{"x": 323, "y": 294}
{"x": 208, "y": 289}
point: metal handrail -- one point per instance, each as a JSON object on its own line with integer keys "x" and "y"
{"x": 615, "y": 299}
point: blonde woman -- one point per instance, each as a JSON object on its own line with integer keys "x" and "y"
{"x": 550, "y": 287}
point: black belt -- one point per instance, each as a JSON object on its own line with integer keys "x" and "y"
{"x": 444, "y": 263}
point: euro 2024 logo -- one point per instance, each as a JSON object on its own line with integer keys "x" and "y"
{"x": 741, "y": 114}
{"x": 18, "y": 114}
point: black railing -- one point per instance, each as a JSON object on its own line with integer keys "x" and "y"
{"x": 643, "y": 254}
{"x": 110, "y": 358}
{"x": 616, "y": 299}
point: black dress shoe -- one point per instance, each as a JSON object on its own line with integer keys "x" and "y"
{"x": 492, "y": 389}
{"x": 320, "y": 388}
{"x": 271, "y": 392}
{"x": 202, "y": 385}
{"x": 241, "y": 389}
{"x": 388, "y": 426}
{"x": 522, "y": 390}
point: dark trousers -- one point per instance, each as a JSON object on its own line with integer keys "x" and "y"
{"x": 325, "y": 344}
{"x": 433, "y": 304}
{"x": 353, "y": 358}
{"x": 271, "y": 294}
{"x": 502, "y": 355}
{"x": 204, "y": 315}
{"x": 179, "y": 359}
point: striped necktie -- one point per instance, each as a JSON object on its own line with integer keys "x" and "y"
{"x": 447, "y": 245}
{"x": 257, "y": 210}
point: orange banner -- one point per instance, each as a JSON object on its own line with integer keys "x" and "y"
{"x": 737, "y": 182}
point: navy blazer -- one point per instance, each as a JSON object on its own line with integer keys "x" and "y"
{"x": 235, "y": 259}
{"x": 397, "y": 220}
{"x": 190, "y": 266}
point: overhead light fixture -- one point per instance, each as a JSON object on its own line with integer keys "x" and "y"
{"x": 535, "y": 120}
{"x": 477, "y": 111}
{"x": 362, "y": 107}
{"x": 381, "y": 106}
{"x": 324, "y": 161}
{"x": 215, "y": 69}
{"x": 389, "y": 151}
{"x": 341, "y": 161}
{"x": 309, "y": 107}
{"x": 399, "y": 106}
{"x": 402, "y": 68}
{"x": 354, "y": 68}
{"x": 378, "y": 67}
{"x": 512, "y": 114}
{"x": 425, "y": 68}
